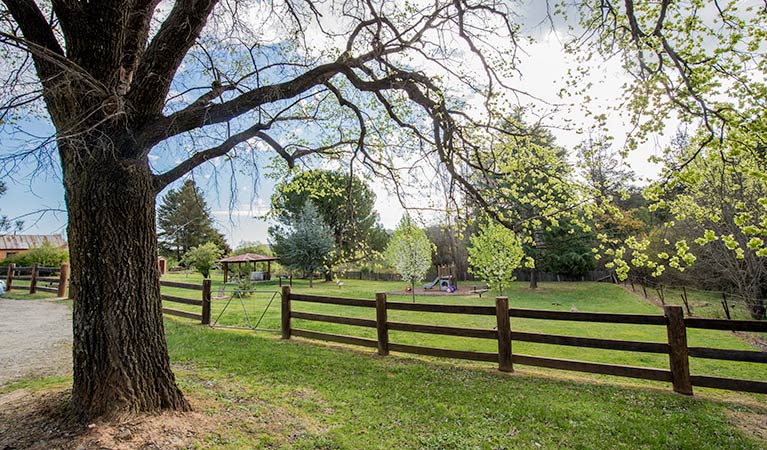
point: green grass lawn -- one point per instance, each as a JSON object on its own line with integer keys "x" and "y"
{"x": 706, "y": 304}
{"x": 287, "y": 394}
{"x": 265, "y": 393}
{"x": 20, "y": 291}
{"x": 592, "y": 297}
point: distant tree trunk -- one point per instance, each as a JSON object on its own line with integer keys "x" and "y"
{"x": 757, "y": 307}
{"x": 533, "y": 279}
{"x": 311, "y": 280}
{"x": 121, "y": 363}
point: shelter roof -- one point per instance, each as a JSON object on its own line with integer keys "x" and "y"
{"x": 27, "y": 241}
{"x": 248, "y": 257}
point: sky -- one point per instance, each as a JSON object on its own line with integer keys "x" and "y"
{"x": 543, "y": 71}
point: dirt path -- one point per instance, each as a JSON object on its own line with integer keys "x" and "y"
{"x": 35, "y": 339}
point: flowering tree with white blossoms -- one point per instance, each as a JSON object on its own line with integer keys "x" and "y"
{"x": 494, "y": 253}
{"x": 409, "y": 251}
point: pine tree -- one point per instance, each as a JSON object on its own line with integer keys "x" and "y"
{"x": 184, "y": 222}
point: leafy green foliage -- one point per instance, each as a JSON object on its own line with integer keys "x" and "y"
{"x": 345, "y": 203}
{"x": 525, "y": 183}
{"x": 253, "y": 247}
{"x": 184, "y": 221}
{"x": 306, "y": 244}
{"x": 409, "y": 252}
{"x": 568, "y": 250}
{"x": 45, "y": 255}
{"x": 692, "y": 61}
{"x": 494, "y": 254}
{"x": 720, "y": 218}
{"x": 203, "y": 257}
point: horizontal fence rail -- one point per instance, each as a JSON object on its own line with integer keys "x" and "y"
{"x": 673, "y": 320}
{"x": 204, "y": 303}
{"x": 56, "y": 281}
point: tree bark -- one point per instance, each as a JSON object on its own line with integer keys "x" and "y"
{"x": 757, "y": 307}
{"x": 120, "y": 355}
{"x": 533, "y": 279}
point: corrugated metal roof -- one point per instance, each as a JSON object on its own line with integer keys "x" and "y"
{"x": 27, "y": 241}
{"x": 248, "y": 257}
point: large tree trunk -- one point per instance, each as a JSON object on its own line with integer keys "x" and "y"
{"x": 121, "y": 363}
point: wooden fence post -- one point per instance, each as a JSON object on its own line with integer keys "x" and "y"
{"x": 286, "y": 312}
{"x": 33, "y": 282}
{"x": 381, "y": 324}
{"x": 677, "y": 349}
{"x": 504, "y": 334}
{"x": 63, "y": 277}
{"x": 9, "y": 276}
{"x": 206, "y": 296}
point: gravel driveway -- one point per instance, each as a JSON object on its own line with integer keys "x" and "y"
{"x": 35, "y": 339}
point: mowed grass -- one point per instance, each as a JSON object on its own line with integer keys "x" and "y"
{"x": 593, "y": 297}
{"x": 20, "y": 291}
{"x": 294, "y": 395}
{"x": 265, "y": 393}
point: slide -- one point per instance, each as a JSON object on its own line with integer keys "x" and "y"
{"x": 432, "y": 284}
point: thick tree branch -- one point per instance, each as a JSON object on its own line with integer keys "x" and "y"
{"x": 39, "y": 34}
{"x": 164, "y": 179}
{"x": 163, "y": 56}
{"x": 201, "y": 113}
{"x": 135, "y": 40}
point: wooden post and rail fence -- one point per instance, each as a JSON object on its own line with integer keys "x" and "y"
{"x": 673, "y": 320}
{"x": 204, "y": 302}
{"x": 56, "y": 284}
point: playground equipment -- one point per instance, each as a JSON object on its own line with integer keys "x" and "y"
{"x": 445, "y": 279}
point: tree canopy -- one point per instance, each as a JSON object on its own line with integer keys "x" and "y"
{"x": 346, "y": 204}
{"x": 409, "y": 252}
{"x": 203, "y": 257}
{"x": 184, "y": 222}
{"x": 305, "y": 243}
{"x": 494, "y": 254}
{"x": 142, "y": 92}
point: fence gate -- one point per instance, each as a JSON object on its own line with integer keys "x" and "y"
{"x": 248, "y": 309}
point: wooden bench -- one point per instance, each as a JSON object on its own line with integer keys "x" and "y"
{"x": 479, "y": 290}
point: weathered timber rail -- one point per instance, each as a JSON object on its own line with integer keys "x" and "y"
{"x": 53, "y": 284}
{"x": 675, "y": 323}
{"x": 204, "y": 302}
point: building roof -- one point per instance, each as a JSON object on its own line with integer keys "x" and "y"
{"x": 27, "y": 241}
{"x": 248, "y": 257}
